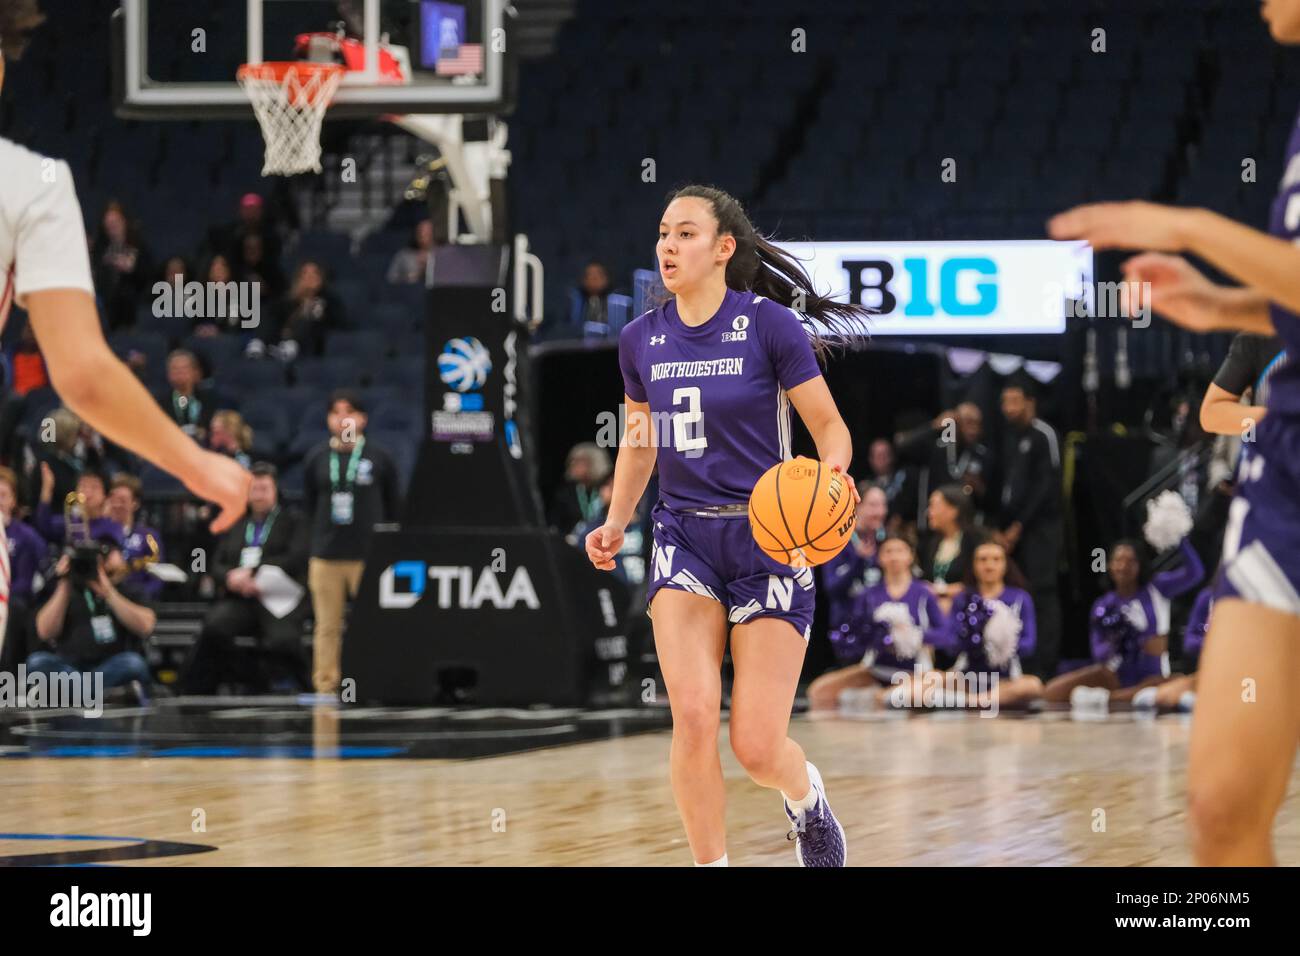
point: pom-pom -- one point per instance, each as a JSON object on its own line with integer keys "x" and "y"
{"x": 1001, "y": 634}
{"x": 1168, "y": 520}
{"x": 1117, "y": 627}
{"x": 902, "y": 636}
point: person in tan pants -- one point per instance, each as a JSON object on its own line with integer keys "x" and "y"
{"x": 332, "y": 584}
{"x": 350, "y": 484}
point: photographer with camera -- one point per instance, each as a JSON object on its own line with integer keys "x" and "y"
{"x": 89, "y": 624}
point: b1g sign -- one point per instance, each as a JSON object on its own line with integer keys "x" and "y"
{"x": 953, "y": 288}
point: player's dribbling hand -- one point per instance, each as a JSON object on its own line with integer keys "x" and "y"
{"x": 603, "y": 544}
{"x": 853, "y": 485}
{"x": 224, "y": 482}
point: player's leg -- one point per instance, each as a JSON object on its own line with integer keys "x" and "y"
{"x": 1244, "y": 732}
{"x": 768, "y": 653}
{"x": 824, "y": 692}
{"x": 690, "y": 632}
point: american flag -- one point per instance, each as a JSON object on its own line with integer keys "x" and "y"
{"x": 462, "y": 60}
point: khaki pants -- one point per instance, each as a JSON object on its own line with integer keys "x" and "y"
{"x": 332, "y": 583}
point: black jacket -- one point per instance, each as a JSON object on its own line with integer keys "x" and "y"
{"x": 286, "y": 546}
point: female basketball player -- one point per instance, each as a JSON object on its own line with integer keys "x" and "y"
{"x": 1247, "y": 722}
{"x": 1143, "y": 601}
{"x": 45, "y": 268}
{"x": 723, "y": 361}
{"x": 997, "y": 581}
{"x": 894, "y": 620}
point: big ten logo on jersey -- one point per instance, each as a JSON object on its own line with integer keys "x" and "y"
{"x": 739, "y": 327}
{"x": 964, "y": 285}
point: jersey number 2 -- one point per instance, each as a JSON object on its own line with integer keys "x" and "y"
{"x": 691, "y": 416}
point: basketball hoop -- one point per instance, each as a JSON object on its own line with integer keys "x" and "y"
{"x": 289, "y": 99}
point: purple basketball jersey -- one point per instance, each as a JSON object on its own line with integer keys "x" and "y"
{"x": 717, "y": 392}
{"x": 1261, "y": 544}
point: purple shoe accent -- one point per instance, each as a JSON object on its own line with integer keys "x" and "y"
{"x": 819, "y": 838}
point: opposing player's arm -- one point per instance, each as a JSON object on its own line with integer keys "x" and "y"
{"x": 812, "y": 400}
{"x": 92, "y": 382}
{"x": 1223, "y": 414}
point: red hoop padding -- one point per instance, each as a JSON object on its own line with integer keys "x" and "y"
{"x": 301, "y": 93}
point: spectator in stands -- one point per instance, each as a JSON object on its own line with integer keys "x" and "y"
{"x": 176, "y": 268}
{"x": 141, "y": 544}
{"x": 253, "y": 265}
{"x": 886, "y": 473}
{"x": 207, "y": 326}
{"x": 350, "y": 484}
{"x": 949, "y": 542}
{"x": 58, "y": 447}
{"x": 92, "y": 624}
{"x": 268, "y": 536}
{"x": 231, "y": 435}
{"x": 578, "y": 499}
{"x": 190, "y": 403}
{"x": 29, "y": 371}
{"x": 410, "y": 265}
{"x": 228, "y": 239}
{"x": 93, "y": 488}
{"x": 591, "y": 303}
{"x": 304, "y": 316}
{"x": 1030, "y": 512}
{"x": 949, "y": 449}
{"x": 121, "y": 264}
{"x": 856, "y": 568}
{"x": 27, "y": 549}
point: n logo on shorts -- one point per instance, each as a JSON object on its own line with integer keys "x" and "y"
{"x": 780, "y": 591}
{"x": 663, "y": 560}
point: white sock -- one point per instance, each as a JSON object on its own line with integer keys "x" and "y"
{"x": 720, "y": 861}
{"x": 807, "y": 802}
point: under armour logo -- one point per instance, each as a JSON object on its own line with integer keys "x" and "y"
{"x": 657, "y": 339}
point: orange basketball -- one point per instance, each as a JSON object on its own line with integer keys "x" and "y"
{"x": 801, "y": 512}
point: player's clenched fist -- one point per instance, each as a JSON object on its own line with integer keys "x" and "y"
{"x": 603, "y": 544}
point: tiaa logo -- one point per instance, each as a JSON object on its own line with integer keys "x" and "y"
{"x": 464, "y": 364}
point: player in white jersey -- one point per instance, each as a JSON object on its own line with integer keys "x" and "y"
{"x": 45, "y": 269}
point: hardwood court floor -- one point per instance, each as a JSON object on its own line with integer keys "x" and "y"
{"x": 938, "y": 790}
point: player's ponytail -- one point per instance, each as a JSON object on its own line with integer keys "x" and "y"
{"x": 760, "y": 266}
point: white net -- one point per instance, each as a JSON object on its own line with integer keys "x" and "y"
{"x": 290, "y": 101}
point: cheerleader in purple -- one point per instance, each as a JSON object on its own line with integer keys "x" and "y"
{"x": 992, "y": 627}
{"x": 892, "y": 623}
{"x": 1129, "y": 627}
{"x": 1246, "y": 726}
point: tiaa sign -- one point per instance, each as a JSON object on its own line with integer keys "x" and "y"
{"x": 954, "y": 288}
